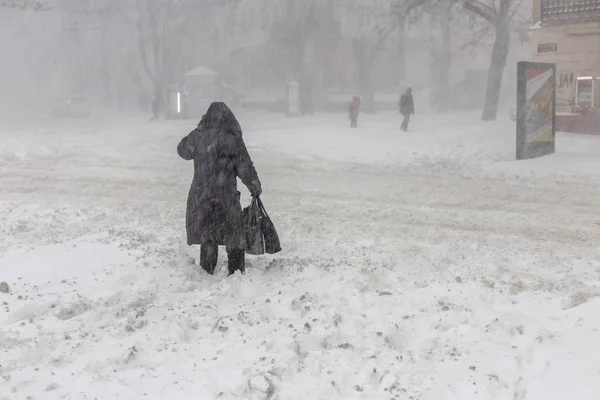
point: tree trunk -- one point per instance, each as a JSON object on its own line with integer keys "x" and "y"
{"x": 401, "y": 51}
{"x": 498, "y": 63}
{"x": 364, "y": 64}
{"x": 158, "y": 101}
{"x": 434, "y": 61}
{"x": 443, "y": 92}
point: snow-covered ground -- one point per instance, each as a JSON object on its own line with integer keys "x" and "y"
{"x": 426, "y": 265}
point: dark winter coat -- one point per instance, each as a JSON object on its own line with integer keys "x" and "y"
{"x": 214, "y": 213}
{"x": 407, "y": 106}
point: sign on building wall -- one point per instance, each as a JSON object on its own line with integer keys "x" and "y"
{"x": 536, "y": 109}
{"x": 547, "y": 48}
{"x": 585, "y": 93}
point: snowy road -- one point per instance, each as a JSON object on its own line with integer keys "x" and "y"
{"x": 420, "y": 265}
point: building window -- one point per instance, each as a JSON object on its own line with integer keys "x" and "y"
{"x": 560, "y": 10}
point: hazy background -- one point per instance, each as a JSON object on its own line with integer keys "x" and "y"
{"x": 121, "y": 54}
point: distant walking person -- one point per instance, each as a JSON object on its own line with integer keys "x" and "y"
{"x": 407, "y": 108}
{"x": 353, "y": 111}
{"x": 214, "y": 212}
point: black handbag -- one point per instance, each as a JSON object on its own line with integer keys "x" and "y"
{"x": 255, "y": 243}
{"x": 270, "y": 236}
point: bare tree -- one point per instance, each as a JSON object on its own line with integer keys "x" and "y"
{"x": 498, "y": 14}
{"x": 166, "y": 31}
{"x": 100, "y": 50}
{"x": 364, "y": 55}
{"x": 153, "y": 20}
{"x": 391, "y": 17}
{"x": 405, "y": 13}
{"x": 307, "y": 28}
{"x": 500, "y": 19}
{"x": 441, "y": 54}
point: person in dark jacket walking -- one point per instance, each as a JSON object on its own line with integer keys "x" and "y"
{"x": 407, "y": 108}
{"x": 353, "y": 111}
{"x": 214, "y": 212}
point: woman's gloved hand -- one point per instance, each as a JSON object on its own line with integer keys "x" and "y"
{"x": 256, "y": 189}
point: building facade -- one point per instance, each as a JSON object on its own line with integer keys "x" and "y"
{"x": 567, "y": 33}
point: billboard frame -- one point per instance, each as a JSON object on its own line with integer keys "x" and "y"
{"x": 527, "y": 150}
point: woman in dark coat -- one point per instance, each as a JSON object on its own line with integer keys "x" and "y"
{"x": 214, "y": 213}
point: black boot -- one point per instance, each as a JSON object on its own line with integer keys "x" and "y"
{"x": 209, "y": 254}
{"x": 236, "y": 261}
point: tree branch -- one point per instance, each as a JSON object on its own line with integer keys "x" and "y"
{"x": 515, "y": 10}
{"x": 482, "y": 10}
{"x": 142, "y": 44}
{"x": 494, "y": 7}
{"x": 478, "y": 37}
